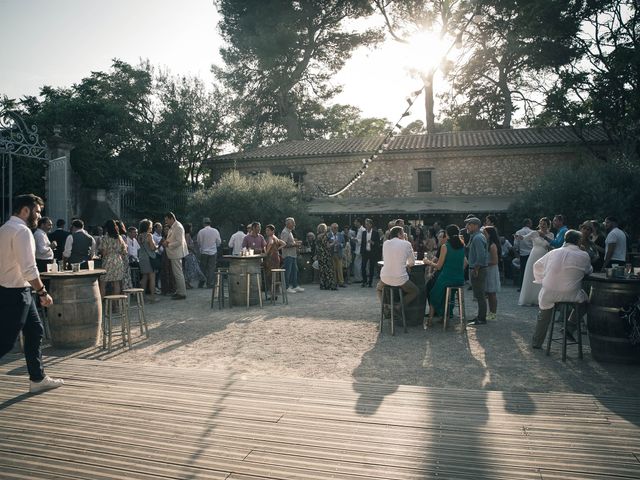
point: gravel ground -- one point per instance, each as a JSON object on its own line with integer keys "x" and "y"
{"x": 334, "y": 335}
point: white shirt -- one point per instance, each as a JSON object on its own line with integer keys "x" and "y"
{"x": 17, "y": 254}
{"x": 368, "y": 240}
{"x": 43, "y": 245}
{"x": 397, "y": 255}
{"x": 523, "y": 246}
{"x": 132, "y": 247}
{"x": 561, "y": 272}
{"x": 209, "y": 240}
{"x": 157, "y": 238}
{"x": 617, "y": 237}
{"x": 359, "y": 239}
{"x": 235, "y": 242}
{"x": 68, "y": 245}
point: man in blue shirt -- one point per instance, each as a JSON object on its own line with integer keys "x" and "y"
{"x": 478, "y": 261}
{"x": 558, "y": 224}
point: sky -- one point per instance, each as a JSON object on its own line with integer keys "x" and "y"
{"x": 59, "y": 42}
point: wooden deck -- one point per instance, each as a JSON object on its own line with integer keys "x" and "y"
{"x": 122, "y": 421}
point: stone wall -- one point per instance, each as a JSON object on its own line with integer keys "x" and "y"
{"x": 498, "y": 172}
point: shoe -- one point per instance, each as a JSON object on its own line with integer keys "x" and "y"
{"x": 363, "y": 285}
{"x": 370, "y": 286}
{"x": 291, "y": 290}
{"x": 178, "y": 297}
{"x": 536, "y": 347}
{"x": 299, "y": 289}
{"x": 518, "y": 291}
{"x": 476, "y": 321}
{"x": 342, "y": 285}
{"x": 47, "y": 383}
{"x": 491, "y": 316}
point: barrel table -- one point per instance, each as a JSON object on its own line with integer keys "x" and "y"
{"x": 238, "y": 268}
{"x": 415, "y": 311}
{"x": 75, "y": 318}
{"x": 608, "y": 332}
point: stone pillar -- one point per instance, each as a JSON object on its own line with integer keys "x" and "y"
{"x": 58, "y": 203}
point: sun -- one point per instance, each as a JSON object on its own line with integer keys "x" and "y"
{"x": 426, "y": 50}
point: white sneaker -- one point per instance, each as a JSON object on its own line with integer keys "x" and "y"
{"x": 291, "y": 290}
{"x": 47, "y": 383}
{"x": 299, "y": 289}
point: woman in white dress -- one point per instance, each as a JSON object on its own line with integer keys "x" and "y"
{"x": 540, "y": 239}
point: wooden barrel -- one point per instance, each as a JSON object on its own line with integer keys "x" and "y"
{"x": 608, "y": 332}
{"x": 238, "y": 269}
{"x": 75, "y": 318}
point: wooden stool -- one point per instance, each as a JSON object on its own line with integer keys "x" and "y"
{"x": 138, "y": 293}
{"x": 447, "y": 300}
{"x": 222, "y": 277}
{"x": 119, "y": 301}
{"x": 565, "y": 311}
{"x": 257, "y": 275}
{"x": 390, "y": 289}
{"x": 278, "y": 280}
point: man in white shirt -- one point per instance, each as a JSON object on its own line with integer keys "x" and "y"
{"x": 18, "y": 274}
{"x": 132, "y": 244}
{"x": 357, "y": 262}
{"x": 523, "y": 247}
{"x": 44, "y": 247}
{"x": 398, "y": 257}
{"x": 176, "y": 249}
{"x": 615, "y": 252}
{"x": 79, "y": 246}
{"x": 208, "y": 241}
{"x": 561, "y": 272}
{"x": 235, "y": 242}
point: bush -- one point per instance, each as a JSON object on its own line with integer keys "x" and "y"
{"x": 265, "y": 198}
{"x": 591, "y": 190}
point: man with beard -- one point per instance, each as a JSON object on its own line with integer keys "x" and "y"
{"x": 18, "y": 274}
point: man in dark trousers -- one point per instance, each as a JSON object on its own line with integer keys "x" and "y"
{"x": 59, "y": 235}
{"x": 369, "y": 248}
{"x": 18, "y": 274}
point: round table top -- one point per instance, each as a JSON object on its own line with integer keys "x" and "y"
{"x": 244, "y": 257}
{"x": 601, "y": 277}
{"x": 70, "y": 274}
{"x": 418, "y": 263}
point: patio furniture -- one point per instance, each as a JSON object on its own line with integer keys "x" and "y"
{"x": 116, "y": 307}
{"x": 222, "y": 279}
{"x": 278, "y": 281}
{"x": 391, "y": 290}
{"x": 257, "y": 276}
{"x": 138, "y": 294}
{"x": 457, "y": 300}
{"x": 565, "y": 309}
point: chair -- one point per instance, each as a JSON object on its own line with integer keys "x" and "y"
{"x": 222, "y": 278}
{"x": 138, "y": 294}
{"x": 447, "y": 303}
{"x": 120, "y": 302}
{"x": 257, "y": 276}
{"x": 564, "y": 308}
{"x": 390, "y": 290}
{"x": 278, "y": 280}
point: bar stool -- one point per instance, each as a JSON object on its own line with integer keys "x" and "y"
{"x": 222, "y": 278}
{"x": 257, "y": 278}
{"x": 138, "y": 294}
{"x": 278, "y": 280}
{"x": 460, "y": 302}
{"x": 565, "y": 311}
{"x": 119, "y": 301}
{"x": 391, "y": 291}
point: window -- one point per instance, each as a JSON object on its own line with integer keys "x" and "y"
{"x": 424, "y": 181}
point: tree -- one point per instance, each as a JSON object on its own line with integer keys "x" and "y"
{"x": 345, "y": 121}
{"x": 279, "y": 58}
{"x": 602, "y": 85}
{"x": 507, "y": 53}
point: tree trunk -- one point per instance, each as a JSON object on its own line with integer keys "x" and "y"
{"x": 289, "y": 117}
{"x": 506, "y": 96}
{"x": 428, "y": 102}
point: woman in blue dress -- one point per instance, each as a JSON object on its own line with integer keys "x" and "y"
{"x": 451, "y": 267}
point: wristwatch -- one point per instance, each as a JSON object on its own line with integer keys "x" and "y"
{"x": 42, "y": 292}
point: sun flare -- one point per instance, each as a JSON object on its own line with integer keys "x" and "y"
{"x": 426, "y": 50}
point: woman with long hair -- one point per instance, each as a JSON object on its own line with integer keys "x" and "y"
{"x": 540, "y": 240}
{"x": 148, "y": 251}
{"x": 192, "y": 270}
{"x": 272, "y": 254}
{"x": 492, "y": 280}
{"x": 325, "y": 263}
{"x": 114, "y": 251}
{"x": 451, "y": 271}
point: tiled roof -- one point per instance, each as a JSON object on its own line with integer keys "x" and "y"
{"x": 435, "y": 141}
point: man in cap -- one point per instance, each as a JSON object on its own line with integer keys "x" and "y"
{"x": 208, "y": 242}
{"x": 478, "y": 261}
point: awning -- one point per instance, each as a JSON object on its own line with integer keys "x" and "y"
{"x": 410, "y": 205}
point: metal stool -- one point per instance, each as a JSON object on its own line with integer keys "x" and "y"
{"x": 257, "y": 275}
{"x": 565, "y": 311}
{"x": 447, "y": 303}
{"x": 390, "y": 290}
{"x": 222, "y": 277}
{"x": 138, "y": 293}
{"x": 278, "y": 282}
{"x": 119, "y": 301}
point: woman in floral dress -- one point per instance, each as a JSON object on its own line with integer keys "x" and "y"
{"x": 192, "y": 271}
{"x": 113, "y": 250}
{"x": 325, "y": 263}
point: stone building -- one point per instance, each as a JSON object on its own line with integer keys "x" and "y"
{"x": 421, "y": 177}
